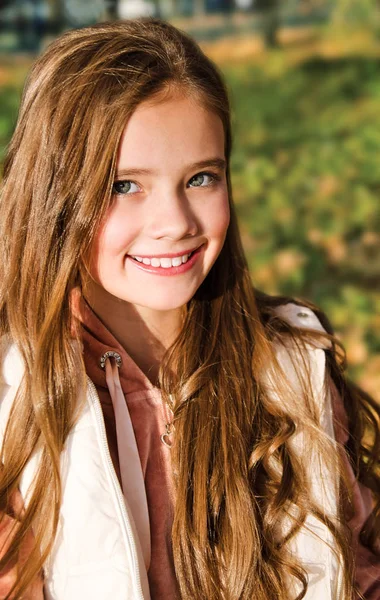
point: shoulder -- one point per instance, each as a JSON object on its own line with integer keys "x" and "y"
{"x": 11, "y": 363}
{"x": 11, "y": 373}
{"x": 299, "y": 316}
{"x": 305, "y": 319}
{"x": 299, "y": 341}
{"x": 289, "y": 319}
{"x": 297, "y": 380}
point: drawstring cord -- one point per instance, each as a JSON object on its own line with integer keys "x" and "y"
{"x": 132, "y": 480}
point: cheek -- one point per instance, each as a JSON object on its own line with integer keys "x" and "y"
{"x": 91, "y": 260}
{"x": 225, "y": 215}
{"x": 110, "y": 241}
{"x": 114, "y": 237}
{"x": 217, "y": 220}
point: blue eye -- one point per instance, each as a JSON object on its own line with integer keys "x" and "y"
{"x": 202, "y": 179}
{"x": 124, "y": 187}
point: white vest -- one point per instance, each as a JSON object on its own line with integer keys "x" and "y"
{"x": 97, "y": 553}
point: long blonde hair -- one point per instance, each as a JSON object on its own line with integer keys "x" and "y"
{"x": 58, "y": 179}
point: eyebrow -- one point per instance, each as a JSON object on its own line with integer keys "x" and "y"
{"x": 218, "y": 163}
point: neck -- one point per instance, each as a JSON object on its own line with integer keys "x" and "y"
{"x": 144, "y": 333}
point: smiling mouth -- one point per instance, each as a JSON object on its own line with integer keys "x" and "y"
{"x": 164, "y": 262}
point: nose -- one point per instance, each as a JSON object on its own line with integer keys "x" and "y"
{"x": 172, "y": 216}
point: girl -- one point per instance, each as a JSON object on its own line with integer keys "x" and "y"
{"x": 167, "y": 432}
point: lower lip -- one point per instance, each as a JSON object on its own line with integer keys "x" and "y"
{"x": 171, "y": 270}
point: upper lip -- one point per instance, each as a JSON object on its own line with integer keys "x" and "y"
{"x": 167, "y": 255}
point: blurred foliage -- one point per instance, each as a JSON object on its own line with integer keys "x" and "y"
{"x": 360, "y": 12}
{"x": 12, "y": 75}
{"x": 306, "y": 178}
{"x": 306, "y": 182}
{"x": 9, "y": 100}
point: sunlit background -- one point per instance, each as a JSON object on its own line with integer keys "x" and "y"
{"x": 304, "y": 77}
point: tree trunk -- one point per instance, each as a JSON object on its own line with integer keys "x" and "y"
{"x": 56, "y": 8}
{"x": 199, "y": 7}
{"x": 270, "y": 13}
{"x": 112, "y": 9}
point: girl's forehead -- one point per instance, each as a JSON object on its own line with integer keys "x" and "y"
{"x": 174, "y": 97}
{"x": 170, "y": 129}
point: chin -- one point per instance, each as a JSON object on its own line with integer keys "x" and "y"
{"x": 164, "y": 305}
{"x": 164, "y": 301}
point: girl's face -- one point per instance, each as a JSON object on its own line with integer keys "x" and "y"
{"x": 169, "y": 213}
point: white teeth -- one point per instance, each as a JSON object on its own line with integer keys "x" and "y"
{"x": 164, "y": 262}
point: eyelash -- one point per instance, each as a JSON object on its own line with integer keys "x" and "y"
{"x": 213, "y": 176}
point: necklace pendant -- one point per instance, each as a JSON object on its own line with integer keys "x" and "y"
{"x": 165, "y": 437}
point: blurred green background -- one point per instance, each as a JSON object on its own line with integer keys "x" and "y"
{"x": 304, "y": 79}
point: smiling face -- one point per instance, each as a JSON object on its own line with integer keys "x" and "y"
{"x": 169, "y": 213}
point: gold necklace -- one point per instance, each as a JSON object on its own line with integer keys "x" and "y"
{"x": 169, "y": 425}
